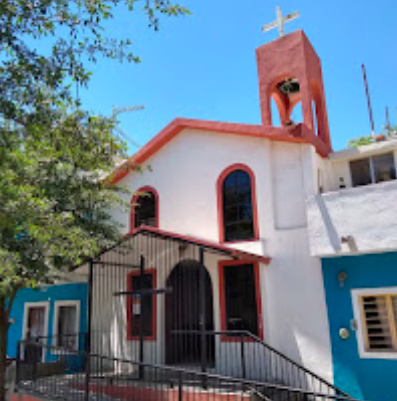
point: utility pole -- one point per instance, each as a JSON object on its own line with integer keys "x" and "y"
{"x": 371, "y": 118}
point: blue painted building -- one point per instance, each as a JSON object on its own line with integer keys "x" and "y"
{"x": 55, "y": 314}
{"x": 352, "y": 228}
{"x": 361, "y": 294}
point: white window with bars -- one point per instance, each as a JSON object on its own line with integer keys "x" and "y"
{"x": 375, "y": 312}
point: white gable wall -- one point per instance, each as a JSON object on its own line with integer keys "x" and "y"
{"x": 185, "y": 174}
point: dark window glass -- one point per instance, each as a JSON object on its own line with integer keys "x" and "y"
{"x": 67, "y": 323}
{"x": 240, "y": 298}
{"x": 36, "y": 332}
{"x": 145, "y": 210}
{"x": 361, "y": 172}
{"x": 237, "y": 207}
{"x": 36, "y": 322}
{"x": 384, "y": 168}
{"x": 139, "y": 304}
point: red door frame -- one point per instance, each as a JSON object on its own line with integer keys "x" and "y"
{"x": 222, "y": 299}
{"x": 129, "y": 306}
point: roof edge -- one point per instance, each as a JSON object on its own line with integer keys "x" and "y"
{"x": 298, "y": 133}
{"x": 200, "y": 242}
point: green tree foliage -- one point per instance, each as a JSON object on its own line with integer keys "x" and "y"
{"x": 364, "y": 140}
{"x": 53, "y": 154}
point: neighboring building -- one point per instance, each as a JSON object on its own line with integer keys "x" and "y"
{"x": 353, "y": 229}
{"x": 54, "y": 315}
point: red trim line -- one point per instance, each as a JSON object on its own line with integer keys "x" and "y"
{"x": 145, "y": 392}
{"x": 222, "y": 299}
{"x": 298, "y": 133}
{"x": 254, "y": 205}
{"x": 198, "y": 241}
{"x": 134, "y": 201}
{"x": 129, "y": 306}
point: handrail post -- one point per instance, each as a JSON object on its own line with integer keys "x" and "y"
{"x": 89, "y": 328}
{"x": 141, "y": 368}
{"x": 87, "y": 376}
{"x": 203, "y": 320}
{"x": 35, "y": 352}
{"x": 180, "y": 387}
{"x": 18, "y": 366}
{"x": 242, "y": 350}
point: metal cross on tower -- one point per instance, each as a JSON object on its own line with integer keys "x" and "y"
{"x": 280, "y": 21}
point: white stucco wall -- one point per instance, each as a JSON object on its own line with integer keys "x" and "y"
{"x": 323, "y": 175}
{"x": 367, "y": 214}
{"x": 185, "y": 173}
{"x": 288, "y": 181}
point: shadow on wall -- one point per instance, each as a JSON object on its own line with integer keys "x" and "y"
{"x": 302, "y": 339}
{"x": 333, "y": 235}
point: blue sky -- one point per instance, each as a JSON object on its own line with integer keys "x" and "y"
{"x": 203, "y": 66}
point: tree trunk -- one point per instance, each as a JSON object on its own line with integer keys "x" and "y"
{"x": 3, "y": 348}
{"x": 5, "y": 309}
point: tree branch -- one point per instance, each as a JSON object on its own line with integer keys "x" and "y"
{"x": 11, "y": 300}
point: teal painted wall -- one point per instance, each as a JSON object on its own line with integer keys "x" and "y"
{"x": 369, "y": 379}
{"x": 62, "y": 292}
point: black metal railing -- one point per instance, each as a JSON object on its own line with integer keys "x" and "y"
{"x": 241, "y": 354}
{"x": 235, "y": 354}
{"x": 74, "y": 341}
{"x": 103, "y": 378}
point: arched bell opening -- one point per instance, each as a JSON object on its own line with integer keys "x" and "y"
{"x": 275, "y": 113}
{"x": 285, "y": 95}
{"x": 317, "y": 111}
{"x": 315, "y": 120}
{"x": 296, "y": 113}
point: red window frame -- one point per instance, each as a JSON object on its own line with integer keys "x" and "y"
{"x": 134, "y": 200}
{"x": 129, "y": 306}
{"x": 254, "y": 206}
{"x": 222, "y": 300}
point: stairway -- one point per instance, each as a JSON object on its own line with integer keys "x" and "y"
{"x": 270, "y": 376}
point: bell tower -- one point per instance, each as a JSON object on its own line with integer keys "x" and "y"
{"x": 289, "y": 72}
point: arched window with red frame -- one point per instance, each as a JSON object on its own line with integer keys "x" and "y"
{"x": 145, "y": 208}
{"x": 237, "y": 204}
